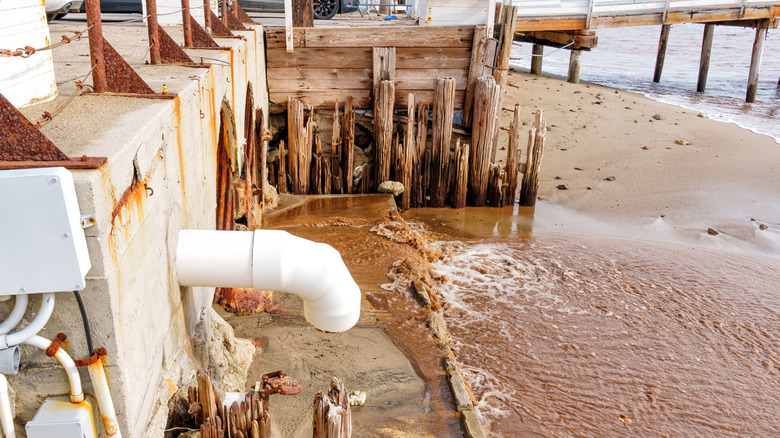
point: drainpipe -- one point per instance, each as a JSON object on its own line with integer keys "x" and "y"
{"x": 6, "y": 417}
{"x": 103, "y": 395}
{"x": 20, "y": 306}
{"x": 37, "y": 324}
{"x": 76, "y": 394}
{"x": 273, "y": 260}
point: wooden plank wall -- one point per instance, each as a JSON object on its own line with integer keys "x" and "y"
{"x": 335, "y": 63}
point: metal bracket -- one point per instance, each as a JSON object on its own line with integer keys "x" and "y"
{"x": 88, "y": 220}
{"x": 23, "y": 145}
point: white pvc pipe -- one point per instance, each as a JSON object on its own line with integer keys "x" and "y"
{"x": 6, "y": 417}
{"x": 76, "y": 393}
{"x": 37, "y": 324}
{"x": 100, "y": 384}
{"x": 273, "y": 260}
{"x": 20, "y": 307}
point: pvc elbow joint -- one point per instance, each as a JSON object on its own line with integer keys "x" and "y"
{"x": 273, "y": 260}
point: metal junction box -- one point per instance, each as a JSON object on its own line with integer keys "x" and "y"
{"x": 42, "y": 244}
{"x": 58, "y": 417}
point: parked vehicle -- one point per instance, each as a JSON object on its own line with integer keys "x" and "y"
{"x": 323, "y": 9}
{"x": 58, "y": 8}
{"x": 120, "y": 6}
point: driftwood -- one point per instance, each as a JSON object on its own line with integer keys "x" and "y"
{"x": 533, "y": 162}
{"x": 443, "y": 111}
{"x": 512, "y": 158}
{"x": 332, "y": 416}
{"x": 486, "y": 115}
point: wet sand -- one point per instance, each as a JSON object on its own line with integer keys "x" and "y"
{"x": 610, "y": 167}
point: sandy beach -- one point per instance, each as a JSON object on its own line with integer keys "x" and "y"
{"x": 621, "y": 164}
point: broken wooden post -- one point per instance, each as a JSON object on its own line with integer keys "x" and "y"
{"x": 495, "y": 189}
{"x": 299, "y": 135}
{"x": 512, "y": 158}
{"x": 383, "y": 130}
{"x": 533, "y": 162}
{"x": 755, "y": 61}
{"x": 422, "y": 165}
{"x": 327, "y": 179}
{"x": 332, "y": 416}
{"x": 461, "y": 175}
{"x": 536, "y": 59}
{"x": 409, "y": 154}
{"x": 486, "y": 115}
{"x": 575, "y": 63}
{"x": 316, "y": 168}
{"x": 476, "y": 70}
{"x": 441, "y": 137}
{"x": 704, "y": 62}
{"x": 347, "y": 145}
{"x": 335, "y": 154}
{"x": 303, "y": 13}
{"x": 281, "y": 179}
{"x": 659, "y": 60}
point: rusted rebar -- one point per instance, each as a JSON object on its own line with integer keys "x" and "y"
{"x": 154, "y": 31}
{"x": 186, "y": 17}
{"x": 96, "y": 55}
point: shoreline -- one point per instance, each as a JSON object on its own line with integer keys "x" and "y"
{"x": 622, "y": 164}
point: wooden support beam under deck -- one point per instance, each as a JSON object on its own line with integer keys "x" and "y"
{"x": 704, "y": 62}
{"x": 755, "y": 63}
{"x": 536, "y": 59}
{"x": 659, "y": 60}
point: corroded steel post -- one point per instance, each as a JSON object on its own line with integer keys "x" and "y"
{"x": 96, "y": 46}
{"x": 224, "y": 12}
{"x": 186, "y": 17}
{"x": 154, "y": 31}
{"x": 207, "y": 16}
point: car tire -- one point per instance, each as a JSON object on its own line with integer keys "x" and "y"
{"x": 325, "y": 9}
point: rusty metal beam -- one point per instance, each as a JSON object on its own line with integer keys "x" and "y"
{"x": 23, "y": 145}
{"x": 186, "y": 18}
{"x": 96, "y": 46}
{"x": 218, "y": 28}
{"x": 241, "y": 14}
{"x": 201, "y": 39}
{"x": 229, "y": 19}
{"x": 154, "y": 31}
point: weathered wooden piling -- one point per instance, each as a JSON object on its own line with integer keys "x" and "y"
{"x": 460, "y": 175}
{"x": 495, "y": 189}
{"x": 332, "y": 416}
{"x": 508, "y": 26}
{"x": 533, "y": 162}
{"x": 383, "y": 130}
{"x": 704, "y": 62}
{"x": 421, "y": 172}
{"x": 537, "y": 54}
{"x": 575, "y": 64}
{"x": 755, "y": 61}
{"x": 409, "y": 154}
{"x": 348, "y": 145}
{"x": 299, "y": 135}
{"x": 512, "y": 158}
{"x": 336, "y": 154}
{"x": 281, "y": 179}
{"x": 441, "y": 137}
{"x": 486, "y": 115}
{"x": 316, "y": 168}
{"x": 659, "y": 60}
{"x": 303, "y": 13}
{"x": 476, "y": 70}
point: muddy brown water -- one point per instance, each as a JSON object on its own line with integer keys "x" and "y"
{"x": 591, "y": 336}
{"x": 576, "y": 335}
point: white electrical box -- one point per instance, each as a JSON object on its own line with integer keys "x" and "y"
{"x": 42, "y": 244}
{"x": 58, "y": 417}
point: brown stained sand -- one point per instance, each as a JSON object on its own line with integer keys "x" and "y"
{"x": 623, "y": 168}
{"x": 390, "y": 354}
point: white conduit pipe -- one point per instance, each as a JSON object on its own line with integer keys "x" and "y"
{"x": 20, "y": 306}
{"x": 100, "y": 384}
{"x": 76, "y": 393}
{"x": 6, "y": 417}
{"x": 276, "y": 261}
{"x": 37, "y": 324}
